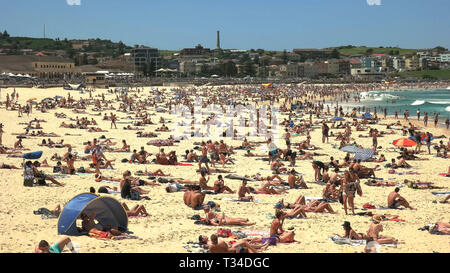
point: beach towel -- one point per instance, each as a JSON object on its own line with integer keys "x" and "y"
{"x": 122, "y": 237}
{"x": 256, "y": 233}
{"x": 314, "y": 198}
{"x": 396, "y": 220}
{"x": 368, "y": 206}
{"x": 195, "y": 247}
{"x": 237, "y": 200}
{"x": 238, "y": 177}
{"x": 182, "y": 164}
{"x": 346, "y": 241}
{"x": 445, "y": 174}
{"x": 97, "y": 234}
{"x": 407, "y": 173}
{"x": 440, "y": 193}
{"x": 263, "y": 192}
{"x": 386, "y": 208}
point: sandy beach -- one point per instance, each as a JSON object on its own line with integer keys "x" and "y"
{"x": 168, "y": 228}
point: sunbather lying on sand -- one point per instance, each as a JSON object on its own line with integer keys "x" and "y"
{"x": 137, "y": 210}
{"x": 88, "y": 225}
{"x": 419, "y": 184}
{"x": 216, "y": 245}
{"x": 44, "y": 246}
{"x": 267, "y": 189}
{"x": 214, "y": 219}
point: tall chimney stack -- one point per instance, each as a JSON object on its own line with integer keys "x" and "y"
{"x": 218, "y": 39}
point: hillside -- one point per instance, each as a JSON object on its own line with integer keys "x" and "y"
{"x": 350, "y": 50}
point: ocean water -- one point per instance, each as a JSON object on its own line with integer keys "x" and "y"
{"x": 431, "y": 101}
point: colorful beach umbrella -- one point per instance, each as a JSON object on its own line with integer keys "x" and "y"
{"x": 404, "y": 142}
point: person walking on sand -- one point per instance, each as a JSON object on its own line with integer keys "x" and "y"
{"x": 113, "y": 119}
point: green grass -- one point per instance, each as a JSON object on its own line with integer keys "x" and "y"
{"x": 163, "y": 52}
{"x": 376, "y": 50}
{"x": 431, "y": 74}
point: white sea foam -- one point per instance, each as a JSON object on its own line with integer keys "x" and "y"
{"x": 418, "y": 102}
{"x": 439, "y": 101}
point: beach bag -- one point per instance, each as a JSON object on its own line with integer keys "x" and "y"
{"x": 163, "y": 180}
{"x": 135, "y": 195}
{"x": 271, "y": 240}
{"x": 102, "y": 190}
{"x": 211, "y": 204}
{"x": 368, "y": 206}
{"x": 225, "y": 233}
{"x": 391, "y": 171}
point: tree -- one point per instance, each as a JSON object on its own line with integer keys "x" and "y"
{"x": 369, "y": 51}
{"x": 121, "y": 48}
{"x": 229, "y": 69}
{"x": 249, "y": 69}
{"x": 256, "y": 60}
{"x": 335, "y": 54}
{"x": 5, "y": 34}
{"x": 285, "y": 57}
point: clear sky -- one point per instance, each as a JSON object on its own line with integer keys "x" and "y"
{"x": 243, "y": 24}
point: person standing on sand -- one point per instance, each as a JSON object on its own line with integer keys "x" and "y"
{"x": 418, "y": 114}
{"x": 425, "y": 119}
{"x": 436, "y": 119}
{"x": 428, "y": 141}
{"x": 447, "y": 123}
{"x": 113, "y": 120}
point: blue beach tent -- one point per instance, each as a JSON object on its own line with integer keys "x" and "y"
{"x": 109, "y": 212}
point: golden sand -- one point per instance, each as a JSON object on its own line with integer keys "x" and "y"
{"x": 168, "y": 228}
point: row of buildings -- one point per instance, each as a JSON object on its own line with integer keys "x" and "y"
{"x": 200, "y": 61}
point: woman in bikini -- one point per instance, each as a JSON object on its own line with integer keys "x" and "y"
{"x": 351, "y": 234}
{"x": 218, "y": 220}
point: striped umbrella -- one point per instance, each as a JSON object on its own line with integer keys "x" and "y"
{"x": 364, "y": 154}
{"x": 404, "y": 142}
